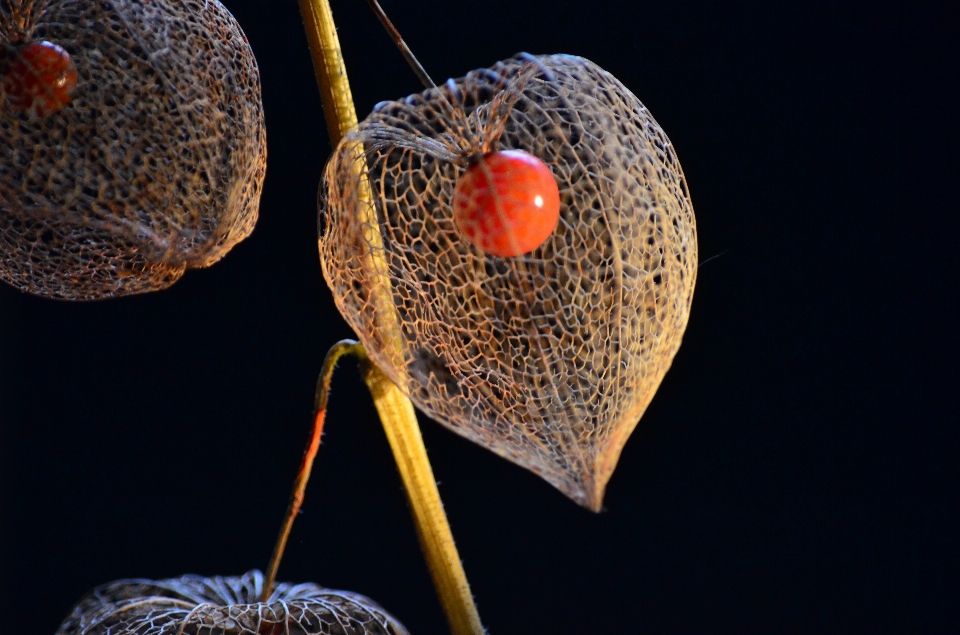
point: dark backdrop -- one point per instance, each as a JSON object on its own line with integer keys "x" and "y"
{"x": 796, "y": 473}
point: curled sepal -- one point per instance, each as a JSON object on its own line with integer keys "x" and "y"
{"x": 225, "y": 606}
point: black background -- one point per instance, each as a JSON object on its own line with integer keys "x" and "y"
{"x": 796, "y": 473}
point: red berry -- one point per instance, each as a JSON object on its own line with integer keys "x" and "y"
{"x": 507, "y": 203}
{"x": 40, "y": 79}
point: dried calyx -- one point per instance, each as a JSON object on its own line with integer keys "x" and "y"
{"x": 152, "y": 166}
{"x": 225, "y": 606}
{"x": 547, "y": 358}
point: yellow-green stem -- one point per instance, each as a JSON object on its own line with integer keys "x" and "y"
{"x": 395, "y": 410}
{"x": 436, "y": 540}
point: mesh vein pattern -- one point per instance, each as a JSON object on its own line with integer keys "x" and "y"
{"x": 548, "y": 359}
{"x": 156, "y": 164}
{"x": 193, "y": 605}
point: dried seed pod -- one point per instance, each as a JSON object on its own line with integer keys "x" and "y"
{"x": 152, "y": 165}
{"x": 548, "y": 359}
{"x": 225, "y": 606}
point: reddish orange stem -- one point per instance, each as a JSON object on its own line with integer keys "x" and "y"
{"x": 306, "y": 465}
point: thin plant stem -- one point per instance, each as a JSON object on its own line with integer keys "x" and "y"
{"x": 436, "y": 540}
{"x": 396, "y": 412}
{"x": 338, "y": 350}
{"x": 404, "y": 49}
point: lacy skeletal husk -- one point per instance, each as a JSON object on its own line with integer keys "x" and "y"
{"x": 194, "y": 605}
{"x": 548, "y": 359}
{"x": 155, "y": 166}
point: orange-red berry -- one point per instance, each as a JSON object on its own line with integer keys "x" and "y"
{"x": 507, "y": 203}
{"x": 39, "y": 79}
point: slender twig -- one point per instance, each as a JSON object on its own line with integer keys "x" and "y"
{"x": 395, "y": 410}
{"x": 337, "y": 351}
{"x": 404, "y": 49}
